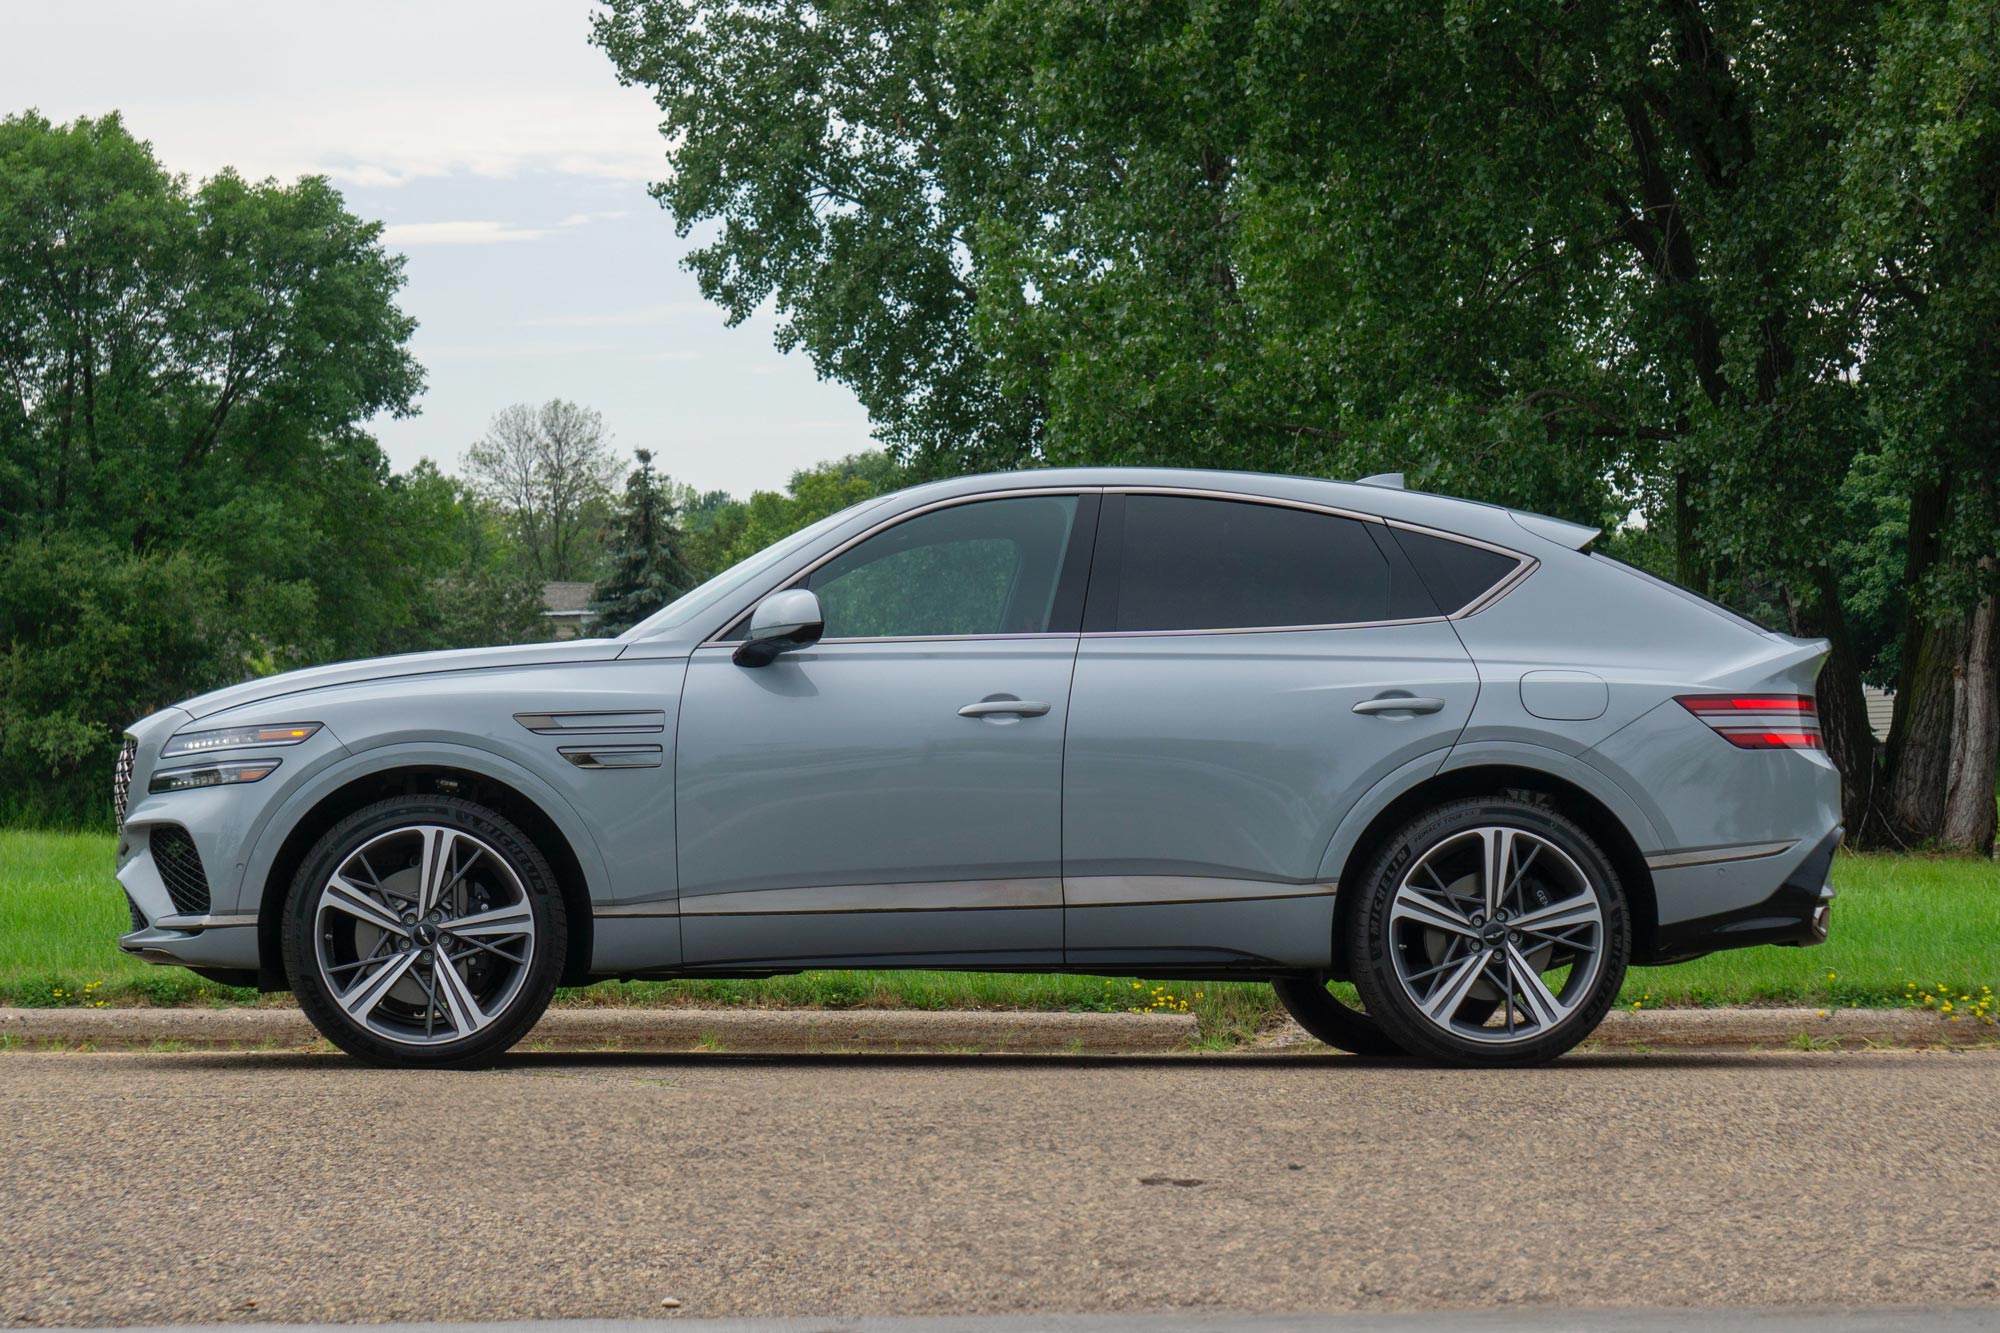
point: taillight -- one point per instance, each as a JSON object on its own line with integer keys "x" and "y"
{"x": 1758, "y": 721}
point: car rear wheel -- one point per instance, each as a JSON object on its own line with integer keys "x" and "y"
{"x": 1491, "y": 931}
{"x": 1327, "y": 1018}
{"x": 425, "y": 931}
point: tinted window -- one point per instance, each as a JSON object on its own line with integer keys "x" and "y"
{"x": 1457, "y": 575}
{"x": 991, "y": 567}
{"x": 1187, "y": 563}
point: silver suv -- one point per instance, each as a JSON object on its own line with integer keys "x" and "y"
{"x": 1160, "y": 723}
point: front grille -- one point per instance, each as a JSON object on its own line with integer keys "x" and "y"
{"x": 180, "y": 869}
{"x": 138, "y": 917}
{"x": 121, "y": 778}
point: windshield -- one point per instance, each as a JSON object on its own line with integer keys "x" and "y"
{"x": 699, "y": 599}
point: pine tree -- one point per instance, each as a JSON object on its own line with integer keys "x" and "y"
{"x": 648, "y": 569}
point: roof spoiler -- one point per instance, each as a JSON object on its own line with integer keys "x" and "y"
{"x": 1561, "y": 531}
{"x": 1391, "y": 480}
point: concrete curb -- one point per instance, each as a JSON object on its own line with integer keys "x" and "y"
{"x": 836, "y": 1031}
{"x": 774, "y": 1031}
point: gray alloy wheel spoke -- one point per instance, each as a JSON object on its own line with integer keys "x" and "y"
{"x": 1468, "y": 920}
{"x": 455, "y": 966}
{"x": 1413, "y": 904}
{"x": 1581, "y": 910}
{"x": 459, "y": 1005}
{"x": 1449, "y": 995}
{"x": 1536, "y": 997}
{"x": 500, "y": 921}
{"x": 360, "y": 999}
{"x": 1496, "y": 865}
{"x": 343, "y": 895}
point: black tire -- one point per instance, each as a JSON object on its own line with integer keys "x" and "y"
{"x": 526, "y": 888}
{"x": 1323, "y": 1016}
{"x": 1394, "y": 953}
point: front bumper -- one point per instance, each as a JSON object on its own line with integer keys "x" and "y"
{"x": 1797, "y": 912}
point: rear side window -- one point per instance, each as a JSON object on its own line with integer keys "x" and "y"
{"x": 1457, "y": 575}
{"x": 1176, "y": 562}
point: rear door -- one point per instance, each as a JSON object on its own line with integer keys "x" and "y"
{"x": 1248, "y": 669}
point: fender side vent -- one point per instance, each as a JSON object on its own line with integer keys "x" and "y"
{"x": 180, "y": 868}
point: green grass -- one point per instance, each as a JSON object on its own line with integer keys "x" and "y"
{"x": 1931, "y": 921}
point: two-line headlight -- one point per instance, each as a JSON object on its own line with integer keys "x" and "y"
{"x": 211, "y": 775}
{"x": 237, "y": 738}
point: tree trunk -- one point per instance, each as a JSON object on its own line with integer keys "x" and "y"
{"x": 1969, "y": 815}
{"x": 1920, "y": 753}
{"x": 1843, "y": 714}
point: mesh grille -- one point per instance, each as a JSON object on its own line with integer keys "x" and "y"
{"x": 138, "y": 917}
{"x": 180, "y": 869}
{"x": 121, "y": 778}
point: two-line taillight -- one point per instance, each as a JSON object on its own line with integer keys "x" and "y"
{"x": 1758, "y": 721}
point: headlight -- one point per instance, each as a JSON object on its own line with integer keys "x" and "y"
{"x": 235, "y": 738}
{"x": 211, "y": 775}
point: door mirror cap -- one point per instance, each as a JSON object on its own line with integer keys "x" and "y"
{"x": 783, "y": 622}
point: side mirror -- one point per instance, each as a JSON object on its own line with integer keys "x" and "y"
{"x": 781, "y": 623}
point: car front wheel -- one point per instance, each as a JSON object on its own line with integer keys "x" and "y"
{"x": 1491, "y": 931}
{"x": 424, "y": 930}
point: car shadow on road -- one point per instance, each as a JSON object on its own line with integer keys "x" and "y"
{"x": 1576, "y": 1064}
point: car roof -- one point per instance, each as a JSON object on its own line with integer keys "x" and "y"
{"x": 1446, "y": 513}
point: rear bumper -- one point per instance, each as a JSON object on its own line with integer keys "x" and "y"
{"x": 1796, "y": 912}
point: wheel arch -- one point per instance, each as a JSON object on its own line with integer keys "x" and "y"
{"x": 1351, "y": 854}
{"x": 566, "y": 848}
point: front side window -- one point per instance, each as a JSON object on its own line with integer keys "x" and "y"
{"x": 1191, "y": 563}
{"x": 987, "y": 567}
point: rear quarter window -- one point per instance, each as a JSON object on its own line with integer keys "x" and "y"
{"x": 1456, "y": 574}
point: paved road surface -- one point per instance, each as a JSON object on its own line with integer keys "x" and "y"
{"x": 145, "y": 1189}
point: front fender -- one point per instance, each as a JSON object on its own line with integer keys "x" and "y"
{"x": 421, "y": 754}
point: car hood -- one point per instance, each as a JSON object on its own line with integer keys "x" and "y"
{"x": 406, "y": 664}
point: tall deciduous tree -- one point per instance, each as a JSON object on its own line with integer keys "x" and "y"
{"x": 550, "y": 469}
{"x": 1589, "y": 259}
{"x": 648, "y": 569}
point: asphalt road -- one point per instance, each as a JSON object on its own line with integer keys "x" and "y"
{"x": 149, "y": 1189}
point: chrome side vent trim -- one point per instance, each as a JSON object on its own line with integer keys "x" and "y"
{"x": 613, "y": 756}
{"x": 601, "y": 724}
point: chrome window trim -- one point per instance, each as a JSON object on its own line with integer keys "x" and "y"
{"x": 951, "y": 502}
{"x": 1525, "y": 565}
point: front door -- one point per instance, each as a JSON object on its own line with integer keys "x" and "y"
{"x": 893, "y": 795}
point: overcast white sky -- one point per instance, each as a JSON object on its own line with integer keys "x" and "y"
{"x": 510, "y": 168}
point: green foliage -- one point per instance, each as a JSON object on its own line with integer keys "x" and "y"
{"x": 1733, "y": 269}
{"x": 648, "y": 569}
{"x": 185, "y": 498}
{"x": 722, "y": 531}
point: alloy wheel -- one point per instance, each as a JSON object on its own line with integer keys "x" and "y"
{"x": 424, "y": 935}
{"x": 1497, "y": 935}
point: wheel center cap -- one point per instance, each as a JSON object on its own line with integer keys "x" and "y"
{"x": 1495, "y": 935}
{"x": 425, "y": 934}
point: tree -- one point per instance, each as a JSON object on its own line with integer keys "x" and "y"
{"x": 550, "y": 468}
{"x": 186, "y": 496}
{"x": 1662, "y": 257}
{"x": 648, "y": 569}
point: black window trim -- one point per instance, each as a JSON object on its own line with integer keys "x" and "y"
{"x": 1095, "y": 605}
{"x": 1074, "y": 570}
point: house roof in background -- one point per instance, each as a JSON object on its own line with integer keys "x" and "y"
{"x": 566, "y": 599}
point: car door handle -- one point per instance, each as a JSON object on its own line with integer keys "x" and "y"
{"x": 998, "y": 707}
{"x": 1399, "y": 703}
